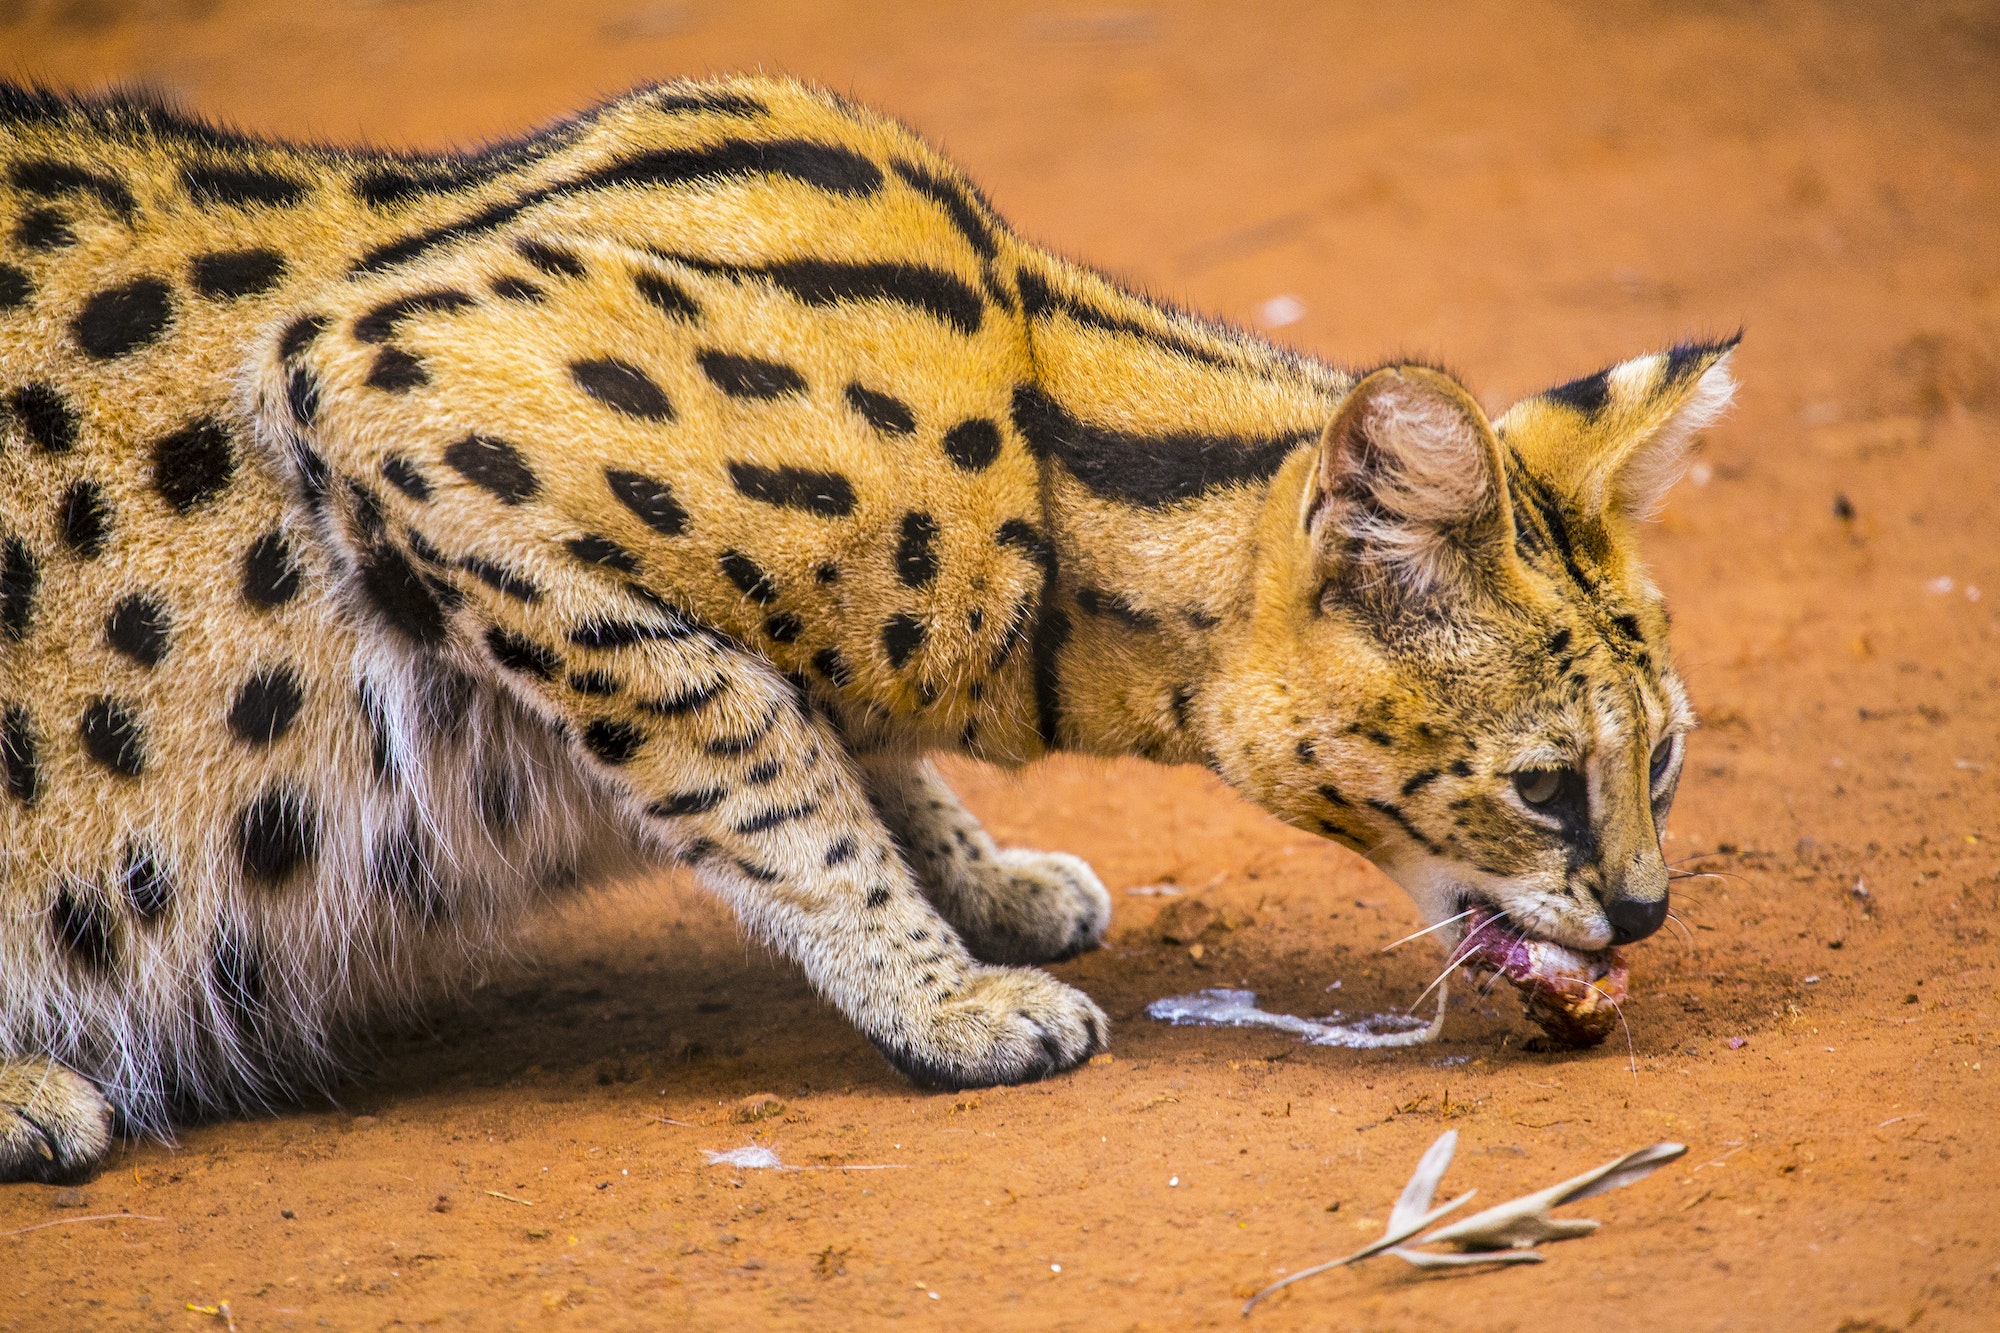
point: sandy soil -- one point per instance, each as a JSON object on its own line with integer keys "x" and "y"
{"x": 1527, "y": 192}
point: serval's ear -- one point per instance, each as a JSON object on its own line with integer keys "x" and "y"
{"x": 1618, "y": 440}
{"x": 1410, "y": 482}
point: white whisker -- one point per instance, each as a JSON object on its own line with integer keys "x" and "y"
{"x": 1417, "y": 935}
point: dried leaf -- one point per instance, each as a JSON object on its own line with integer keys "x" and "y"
{"x": 1416, "y": 1198}
{"x": 1411, "y": 1214}
{"x": 1525, "y": 1221}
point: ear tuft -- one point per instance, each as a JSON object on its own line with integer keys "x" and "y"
{"x": 1409, "y": 477}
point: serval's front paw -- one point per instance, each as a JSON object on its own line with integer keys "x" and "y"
{"x": 55, "y": 1126}
{"x": 1038, "y": 907}
{"x": 1005, "y": 1025}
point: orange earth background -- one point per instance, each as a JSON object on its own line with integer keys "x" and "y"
{"x": 1525, "y": 191}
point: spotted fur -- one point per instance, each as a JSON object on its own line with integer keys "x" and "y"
{"x": 390, "y": 544}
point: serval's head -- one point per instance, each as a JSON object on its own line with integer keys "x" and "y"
{"x": 1458, "y": 665}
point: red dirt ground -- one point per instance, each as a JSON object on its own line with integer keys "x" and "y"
{"x": 1527, "y": 190}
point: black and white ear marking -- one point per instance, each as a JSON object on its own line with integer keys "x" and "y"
{"x": 1410, "y": 480}
{"x": 1617, "y": 441}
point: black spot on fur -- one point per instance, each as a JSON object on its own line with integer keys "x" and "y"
{"x": 553, "y": 260}
{"x": 46, "y": 416}
{"x": 403, "y": 598}
{"x": 1628, "y": 625}
{"x": 512, "y": 288}
{"x": 608, "y": 634}
{"x": 1419, "y": 780}
{"x": 266, "y": 706}
{"x": 1151, "y": 471}
{"x": 829, "y": 663}
{"x": 20, "y": 756}
{"x": 823, "y": 166}
{"x": 878, "y": 895}
{"x": 84, "y": 519}
{"x": 242, "y": 187}
{"x": 194, "y": 464}
{"x": 146, "y": 880}
{"x": 401, "y": 473}
{"x": 957, "y": 203}
{"x": 681, "y": 804}
{"x": 137, "y": 627}
{"x": 500, "y": 579}
{"x": 228, "y": 274}
{"x": 623, "y": 386}
{"x": 269, "y": 576}
{"x": 613, "y": 741}
{"x": 973, "y": 445}
{"x": 121, "y": 320}
{"x": 300, "y": 334}
{"x": 494, "y": 466}
{"x": 826, "y": 572}
{"x": 886, "y": 414}
{"x": 597, "y": 684}
{"x": 15, "y": 287}
{"x": 1587, "y": 395}
{"x": 276, "y": 835}
{"x": 750, "y": 578}
{"x": 396, "y": 371}
{"x": 389, "y": 186}
{"x": 1461, "y": 769}
{"x": 653, "y": 501}
{"x": 766, "y": 820}
{"x": 748, "y": 376}
{"x": 667, "y": 296}
{"x": 602, "y": 551}
{"x": 827, "y": 494}
{"x": 50, "y": 178}
{"x": 764, "y": 774}
{"x": 43, "y": 229}
{"x": 690, "y": 700}
{"x": 522, "y": 655}
{"x": 902, "y": 635}
{"x": 81, "y": 929}
{"x": 1097, "y": 602}
{"x": 1304, "y": 750}
{"x": 784, "y": 627}
{"x": 381, "y": 323}
{"x": 1559, "y": 642}
{"x": 723, "y": 747}
{"x": 916, "y": 556}
{"x": 1026, "y": 538}
{"x": 111, "y": 735}
{"x": 302, "y": 395}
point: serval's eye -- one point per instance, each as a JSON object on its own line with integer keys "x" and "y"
{"x": 1538, "y": 786}
{"x": 1663, "y": 759}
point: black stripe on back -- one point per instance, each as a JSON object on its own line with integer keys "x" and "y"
{"x": 1151, "y": 471}
{"x": 822, "y": 282}
{"x": 823, "y": 166}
